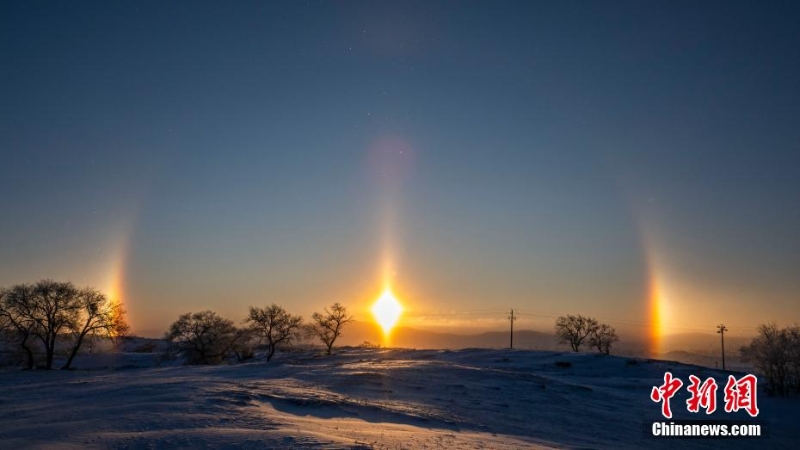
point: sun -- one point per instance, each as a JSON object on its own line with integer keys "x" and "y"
{"x": 387, "y": 310}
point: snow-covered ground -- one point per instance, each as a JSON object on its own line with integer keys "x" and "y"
{"x": 362, "y": 398}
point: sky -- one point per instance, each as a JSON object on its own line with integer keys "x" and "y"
{"x": 634, "y": 161}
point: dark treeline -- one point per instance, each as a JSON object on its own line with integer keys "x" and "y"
{"x": 206, "y": 338}
{"x": 48, "y": 321}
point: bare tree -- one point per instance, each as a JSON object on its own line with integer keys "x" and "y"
{"x": 54, "y": 310}
{"x": 274, "y": 326}
{"x": 42, "y": 311}
{"x": 51, "y": 312}
{"x": 202, "y": 337}
{"x": 96, "y": 315}
{"x": 602, "y": 337}
{"x": 15, "y": 318}
{"x": 328, "y": 326}
{"x": 573, "y": 330}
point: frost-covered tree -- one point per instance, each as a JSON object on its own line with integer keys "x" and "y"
{"x": 202, "y": 337}
{"x": 602, "y": 337}
{"x": 573, "y": 330}
{"x": 242, "y": 340}
{"x": 775, "y": 353}
{"x": 273, "y": 326}
{"x": 327, "y": 326}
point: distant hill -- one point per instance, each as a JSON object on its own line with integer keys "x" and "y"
{"x": 732, "y": 360}
{"x": 527, "y": 339}
{"x": 358, "y": 332}
{"x": 703, "y": 343}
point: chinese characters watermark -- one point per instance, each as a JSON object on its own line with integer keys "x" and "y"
{"x": 738, "y": 394}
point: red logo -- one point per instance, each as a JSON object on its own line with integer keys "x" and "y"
{"x": 739, "y": 394}
{"x": 665, "y": 392}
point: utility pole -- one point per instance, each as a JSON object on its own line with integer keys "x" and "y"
{"x": 721, "y": 330}
{"x": 512, "y": 318}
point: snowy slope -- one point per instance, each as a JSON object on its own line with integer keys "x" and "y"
{"x": 360, "y": 398}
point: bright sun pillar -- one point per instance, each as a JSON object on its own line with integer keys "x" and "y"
{"x": 387, "y": 310}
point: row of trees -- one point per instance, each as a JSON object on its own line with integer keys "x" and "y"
{"x": 45, "y": 316}
{"x": 775, "y": 353}
{"x": 48, "y": 318}
{"x": 206, "y": 338}
{"x": 575, "y": 330}
{"x": 48, "y": 315}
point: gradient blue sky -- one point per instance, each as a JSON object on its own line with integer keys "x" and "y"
{"x": 556, "y": 157}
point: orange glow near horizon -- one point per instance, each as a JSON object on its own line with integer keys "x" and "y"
{"x": 116, "y": 290}
{"x": 387, "y": 310}
{"x": 115, "y": 287}
{"x": 658, "y": 298}
{"x": 658, "y": 314}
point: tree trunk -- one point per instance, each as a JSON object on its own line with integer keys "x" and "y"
{"x": 271, "y": 352}
{"x": 52, "y": 351}
{"x": 28, "y": 352}
{"x": 49, "y": 348}
{"x": 74, "y": 351}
